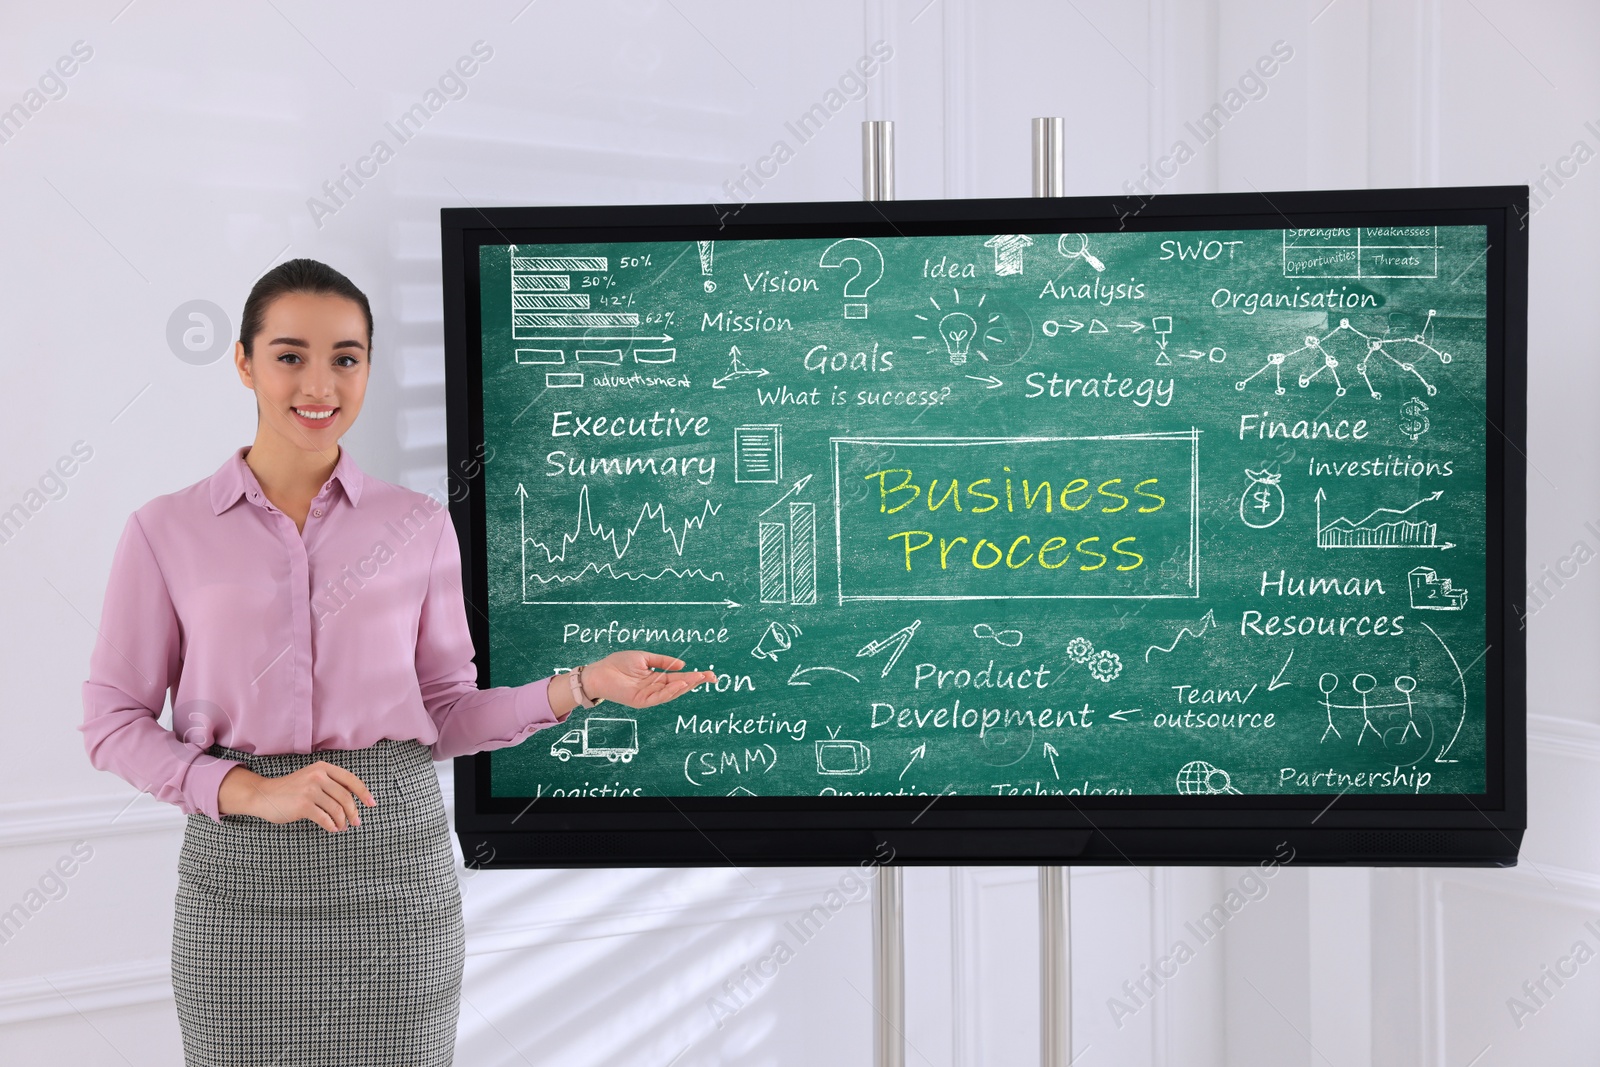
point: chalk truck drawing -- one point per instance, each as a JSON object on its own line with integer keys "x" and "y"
{"x": 614, "y": 739}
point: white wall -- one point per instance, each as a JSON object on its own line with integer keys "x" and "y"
{"x": 177, "y": 167}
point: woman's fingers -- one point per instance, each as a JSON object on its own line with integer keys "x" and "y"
{"x": 352, "y": 783}
{"x": 349, "y": 815}
{"x": 322, "y": 808}
{"x": 665, "y": 687}
{"x": 657, "y": 659}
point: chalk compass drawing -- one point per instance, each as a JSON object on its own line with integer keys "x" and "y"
{"x": 897, "y": 640}
{"x": 1363, "y": 685}
{"x": 1261, "y": 503}
{"x": 1382, "y": 528}
{"x": 1320, "y": 355}
{"x": 1429, "y": 592}
{"x": 1199, "y": 778}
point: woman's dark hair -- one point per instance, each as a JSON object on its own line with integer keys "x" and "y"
{"x": 298, "y": 276}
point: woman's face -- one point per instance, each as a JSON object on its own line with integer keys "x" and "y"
{"x": 310, "y": 358}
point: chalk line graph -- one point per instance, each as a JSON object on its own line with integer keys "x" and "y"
{"x": 1208, "y": 621}
{"x": 619, "y": 539}
{"x": 1396, "y": 532}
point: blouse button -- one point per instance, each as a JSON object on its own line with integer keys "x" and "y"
{"x": 317, "y": 512}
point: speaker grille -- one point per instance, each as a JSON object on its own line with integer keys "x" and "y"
{"x": 1399, "y": 842}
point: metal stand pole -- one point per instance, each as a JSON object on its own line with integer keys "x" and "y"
{"x": 888, "y": 912}
{"x": 888, "y": 970}
{"x": 1055, "y": 967}
{"x": 877, "y": 160}
{"x": 1049, "y": 157}
{"x": 1055, "y": 884}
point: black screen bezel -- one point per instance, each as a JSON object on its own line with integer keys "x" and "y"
{"x": 1501, "y": 808}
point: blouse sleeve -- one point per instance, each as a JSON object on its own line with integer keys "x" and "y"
{"x": 136, "y": 655}
{"x": 468, "y": 719}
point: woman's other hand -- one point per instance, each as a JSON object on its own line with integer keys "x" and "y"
{"x": 322, "y": 792}
{"x": 628, "y": 677}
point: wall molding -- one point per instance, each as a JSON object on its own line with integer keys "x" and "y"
{"x": 84, "y": 990}
{"x": 62, "y": 820}
{"x": 1558, "y": 735}
{"x": 148, "y": 981}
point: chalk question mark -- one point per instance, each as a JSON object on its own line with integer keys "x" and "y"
{"x": 867, "y": 258}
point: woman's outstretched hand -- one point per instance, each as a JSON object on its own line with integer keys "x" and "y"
{"x": 628, "y": 677}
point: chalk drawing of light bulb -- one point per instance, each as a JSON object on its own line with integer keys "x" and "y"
{"x": 957, "y": 329}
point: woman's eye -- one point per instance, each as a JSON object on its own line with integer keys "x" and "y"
{"x": 288, "y": 355}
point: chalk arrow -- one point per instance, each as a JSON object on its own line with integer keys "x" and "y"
{"x": 798, "y": 486}
{"x": 916, "y": 754}
{"x": 1275, "y": 684}
{"x": 1134, "y": 326}
{"x": 759, "y": 372}
{"x": 1122, "y": 715}
{"x": 798, "y": 671}
{"x": 993, "y": 382}
{"x": 651, "y": 603}
{"x": 1208, "y": 621}
{"x": 1051, "y": 754}
{"x": 1073, "y": 324}
{"x": 587, "y": 337}
{"x": 1191, "y": 354}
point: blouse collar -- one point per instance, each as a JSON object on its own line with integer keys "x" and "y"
{"x": 235, "y": 478}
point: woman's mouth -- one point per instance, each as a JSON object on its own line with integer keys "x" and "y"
{"x": 315, "y": 417}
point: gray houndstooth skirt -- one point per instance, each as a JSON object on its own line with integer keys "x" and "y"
{"x": 293, "y": 945}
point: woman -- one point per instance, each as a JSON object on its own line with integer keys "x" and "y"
{"x": 309, "y": 619}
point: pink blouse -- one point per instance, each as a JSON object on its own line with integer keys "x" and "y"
{"x": 272, "y": 640}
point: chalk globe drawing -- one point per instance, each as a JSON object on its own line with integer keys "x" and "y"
{"x": 1199, "y": 778}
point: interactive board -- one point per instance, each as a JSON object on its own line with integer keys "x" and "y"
{"x": 1013, "y": 530}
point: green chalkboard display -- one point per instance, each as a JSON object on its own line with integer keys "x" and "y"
{"x": 1191, "y": 512}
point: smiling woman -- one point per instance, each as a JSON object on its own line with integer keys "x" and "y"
{"x": 318, "y": 914}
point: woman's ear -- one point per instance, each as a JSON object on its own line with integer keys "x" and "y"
{"x": 241, "y": 363}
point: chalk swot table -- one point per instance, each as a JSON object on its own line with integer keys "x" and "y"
{"x": 1070, "y": 530}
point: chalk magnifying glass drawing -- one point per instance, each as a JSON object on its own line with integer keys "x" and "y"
{"x": 1076, "y": 246}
